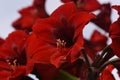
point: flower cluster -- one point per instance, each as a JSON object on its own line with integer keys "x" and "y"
{"x": 52, "y": 47}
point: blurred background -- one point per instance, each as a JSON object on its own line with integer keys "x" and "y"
{"x": 9, "y": 12}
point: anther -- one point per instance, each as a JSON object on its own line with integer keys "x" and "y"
{"x": 60, "y": 43}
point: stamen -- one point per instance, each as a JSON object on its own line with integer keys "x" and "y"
{"x": 60, "y": 43}
{"x": 8, "y": 61}
{"x": 61, "y": 48}
{"x": 13, "y": 64}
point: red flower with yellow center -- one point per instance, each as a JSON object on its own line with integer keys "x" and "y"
{"x": 59, "y": 38}
{"x": 13, "y": 57}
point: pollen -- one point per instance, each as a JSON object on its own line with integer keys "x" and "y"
{"x": 60, "y": 43}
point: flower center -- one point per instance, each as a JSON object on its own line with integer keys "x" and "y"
{"x": 13, "y": 63}
{"x": 60, "y": 43}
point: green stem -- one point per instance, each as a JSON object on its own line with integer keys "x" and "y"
{"x": 100, "y": 58}
{"x": 86, "y": 59}
{"x": 66, "y": 76}
{"x": 96, "y": 71}
{"x": 117, "y": 66}
{"x": 107, "y": 63}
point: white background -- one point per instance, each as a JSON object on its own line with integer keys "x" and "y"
{"x": 9, "y": 13}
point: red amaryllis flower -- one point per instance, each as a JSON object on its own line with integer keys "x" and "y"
{"x": 87, "y": 5}
{"x": 103, "y": 19}
{"x": 58, "y": 38}
{"x": 10, "y": 69}
{"x": 96, "y": 43}
{"x": 107, "y": 73}
{"x": 13, "y": 57}
{"x": 115, "y": 35}
{"x": 30, "y": 14}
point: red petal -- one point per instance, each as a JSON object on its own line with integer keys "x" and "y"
{"x": 1, "y": 41}
{"x": 19, "y": 72}
{"x": 103, "y": 19}
{"x": 99, "y": 39}
{"x": 89, "y": 5}
{"x": 115, "y": 35}
{"x": 4, "y": 75}
{"x": 79, "y": 20}
{"x": 46, "y": 71}
{"x": 64, "y": 11}
{"x": 39, "y": 51}
{"x": 107, "y": 74}
{"x": 16, "y": 40}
